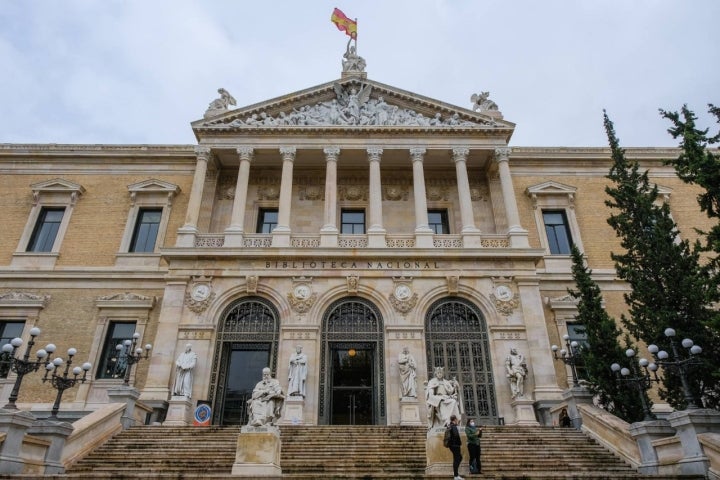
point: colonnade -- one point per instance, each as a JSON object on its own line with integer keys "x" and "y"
{"x": 375, "y": 232}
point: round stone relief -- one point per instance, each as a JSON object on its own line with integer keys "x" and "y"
{"x": 503, "y": 293}
{"x": 402, "y": 292}
{"x": 353, "y": 193}
{"x": 200, "y": 292}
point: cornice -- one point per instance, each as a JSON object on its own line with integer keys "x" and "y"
{"x": 35, "y": 149}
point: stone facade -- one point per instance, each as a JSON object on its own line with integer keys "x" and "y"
{"x": 492, "y": 267}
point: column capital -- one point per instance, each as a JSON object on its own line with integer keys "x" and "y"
{"x": 374, "y": 153}
{"x": 288, "y": 153}
{"x": 202, "y": 152}
{"x": 331, "y": 153}
{"x": 417, "y": 153}
{"x": 246, "y": 153}
{"x": 502, "y": 154}
{"x": 460, "y": 154}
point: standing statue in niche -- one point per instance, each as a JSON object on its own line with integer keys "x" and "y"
{"x": 297, "y": 373}
{"x": 407, "y": 366}
{"x": 184, "y": 367}
{"x": 441, "y": 397}
{"x": 266, "y": 402}
{"x": 516, "y": 371}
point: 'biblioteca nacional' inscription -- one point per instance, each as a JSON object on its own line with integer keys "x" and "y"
{"x": 352, "y": 265}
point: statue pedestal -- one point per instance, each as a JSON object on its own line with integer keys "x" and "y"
{"x": 258, "y": 452}
{"x": 439, "y": 457}
{"x": 294, "y": 406}
{"x": 409, "y": 411}
{"x": 179, "y": 413}
{"x": 524, "y": 412}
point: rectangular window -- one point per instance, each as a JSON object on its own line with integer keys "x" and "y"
{"x": 46, "y": 229}
{"x": 576, "y": 332}
{"x": 113, "y": 365}
{"x": 438, "y": 221}
{"x": 558, "y": 232}
{"x": 146, "y": 230}
{"x": 267, "y": 220}
{"x": 352, "y": 222}
{"x": 8, "y": 330}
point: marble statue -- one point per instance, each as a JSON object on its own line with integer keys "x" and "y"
{"x": 220, "y": 105}
{"x": 266, "y": 402}
{"x": 184, "y": 367}
{"x": 297, "y": 373}
{"x": 482, "y": 102}
{"x": 407, "y": 366}
{"x": 352, "y": 62}
{"x": 516, "y": 371}
{"x": 441, "y": 397}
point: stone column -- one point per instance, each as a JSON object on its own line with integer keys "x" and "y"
{"x": 423, "y": 233}
{"x": 234, "y": 233}
{"x": 518, "y": 236}
{"x": 281, "y": 233}
{"x": 376, "y": 232}
{"x": 186, "y": 233}
{"x": 329, "y": 231}
{"x": 470, "y": 233}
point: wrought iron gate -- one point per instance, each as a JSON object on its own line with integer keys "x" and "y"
{"x": 347, "y": 322}
{"x": 457, "y": 338}
{"x": 247, "y": 336}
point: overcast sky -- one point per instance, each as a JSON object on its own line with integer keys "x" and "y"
{"x": 139, "y": 71}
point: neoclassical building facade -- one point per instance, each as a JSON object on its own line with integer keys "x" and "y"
{"x": 352, "y": 219}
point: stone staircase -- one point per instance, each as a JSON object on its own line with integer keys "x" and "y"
{"x": 388, "y": 452}
{"x": 343, "y": 452}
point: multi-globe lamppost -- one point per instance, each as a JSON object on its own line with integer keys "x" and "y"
{"x": 569, "y": 356}
{"x": 132, "y": 354}
{"x": 23, "y": 366}
{"x": 62, "y": 382}
{"x": 642, "y": 381}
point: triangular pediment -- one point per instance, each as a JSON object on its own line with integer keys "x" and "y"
{"x": 551, "y": 188}
{"x": 153, "y": 185}
{"x": 353, "y": 104}
{"x": 57, "y": 185}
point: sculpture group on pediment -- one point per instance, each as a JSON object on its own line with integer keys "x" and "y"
{"x": 482, "y": 102}
{"x": 353, "y": 105}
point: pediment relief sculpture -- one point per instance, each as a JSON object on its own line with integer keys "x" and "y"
{"x": 353, "y": 105}
{"x": 23, "y": 297}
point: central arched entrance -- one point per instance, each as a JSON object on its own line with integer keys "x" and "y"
{"x": 352, "y": 377}
{"x": 457, "y": 338}
{"x": 247, "y": 342}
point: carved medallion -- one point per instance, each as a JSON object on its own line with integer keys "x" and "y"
{"x": 402, "y": 298}
{"x": 352, "y": 283}
{"x": 505, "y": 299}
{"x": 395, "y": 193}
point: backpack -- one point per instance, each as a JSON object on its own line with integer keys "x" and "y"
{"x": 446, "y": 438}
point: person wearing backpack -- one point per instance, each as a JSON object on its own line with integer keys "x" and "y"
{"x": 454, "y": 443}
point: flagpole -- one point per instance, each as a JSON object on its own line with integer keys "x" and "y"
{"x": 356, "y": 50}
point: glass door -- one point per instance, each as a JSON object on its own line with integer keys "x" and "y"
{"x": 352, "y": 385}
{"x": 244, "y": 371}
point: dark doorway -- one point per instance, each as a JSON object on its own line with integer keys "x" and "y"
{"x": 245, "y": 361}
{"x": 352, "y": 359}
{"x": 353, "y": 371}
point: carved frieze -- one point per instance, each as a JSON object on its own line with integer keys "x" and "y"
{"x": 311, "y": 192}
{"x": 395, "y": 192}
{"x": 269, "y": 192}
{"x": 16, "y": 298}
{"x": 436, "y": 193}
{"x": 226, "y": 186}
{"x": 352, "y": 193}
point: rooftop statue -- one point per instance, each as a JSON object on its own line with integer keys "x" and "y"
{"x": 352, "y": 62}
{"x": 220, "y": 105}
{"x": 482, "y": 102}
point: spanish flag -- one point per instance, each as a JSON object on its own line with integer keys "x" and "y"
{"x": 344, "y": 24}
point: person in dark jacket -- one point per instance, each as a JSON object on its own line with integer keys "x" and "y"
{"x": 455, "y": 446}
{"x": 473, "y": 433}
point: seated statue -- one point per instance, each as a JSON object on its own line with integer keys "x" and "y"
{"x": 266, "y": 402}
{"x": 441, "y": 397}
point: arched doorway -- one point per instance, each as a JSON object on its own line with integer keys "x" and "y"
{"x": 352, "y": 375}
{"x": 456, "y": 338}
{"x": 247, "y": 342}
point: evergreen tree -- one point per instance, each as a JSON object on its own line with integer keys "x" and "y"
{"x": 604, "y": 349}
{"x": 669, "y": 288}
{"x": 698, "y": 165}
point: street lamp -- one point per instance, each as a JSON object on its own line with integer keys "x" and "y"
{"x": 569, "y": 356}
{"x": 640, "y": 381}
{"x": 23, "y": 366}
{"x": 63, "y": 382}
{"x": 127, "y": 350}
{"x": 679, "y": 364}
